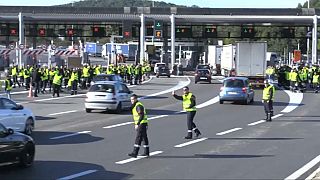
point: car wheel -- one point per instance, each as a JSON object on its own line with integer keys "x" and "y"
{"x": 88, "y": 110}
{"x": 27, "y": 155}
{"x": 29, "y": 126}
{"x": 119, "y": 108}
{"x": 220, "y": 101}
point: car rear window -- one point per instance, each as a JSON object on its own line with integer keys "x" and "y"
{"x": 109, "y": 88}
{"x": 203, "y": 67}
{"x": 233, "y": 83}
{"x": 102, "y": 78}
{"x": 203, "y": 71}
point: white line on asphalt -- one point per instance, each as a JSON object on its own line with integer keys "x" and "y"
{"x": 304, "y": 169}
{"x": 190, "y": 142}
{"x": 69, "y": 135}
{"x": 78, "y": 175}
{"x": 157, "y": 117}
{"x": 312, "y": 175}
{"x": 139, "y": 157}
{"x": 276, "y": 116}
{"x": 117, "y": 125}
{"x": 295, "y": 101}
{"x": 257, "y": 122}
{"x": 208, "y": 103}
{"x": 228, "y": 131}
{"x": 65, "y": 112}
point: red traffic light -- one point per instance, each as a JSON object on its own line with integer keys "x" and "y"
{"x": 95, "y": 29}
{"x": 127, "y": 34}
{"x": 42, "y": 32}
{"x": 70, "y": 32}
{"x": 13, "y": 31}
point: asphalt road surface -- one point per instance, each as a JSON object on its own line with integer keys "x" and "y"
{"x": 235, "y": 144}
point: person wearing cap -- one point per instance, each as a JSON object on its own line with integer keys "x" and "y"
{"x": 141, "y": 125}
{"x": 267, "y": 99}
{"x": 189, "y": 105}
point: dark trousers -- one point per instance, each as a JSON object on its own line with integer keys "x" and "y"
{"x": 36, "y": 88}
{"x": 44, "y": 85}
{"x": 56, "y": 89}
{"x": 142, "y": 135}
{"x": 74, "y": 87}
{"x": 190, "y": 123}
{"x": 268, "y": 107}
{"x": 28, "y": 80}
{"x": 50, "y": 85}
{"x": 15, "y": 80}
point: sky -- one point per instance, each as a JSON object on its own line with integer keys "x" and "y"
{"x": 200, "y": 3}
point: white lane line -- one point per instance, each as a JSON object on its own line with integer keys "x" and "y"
{"x": 313, "y": 174}
{"x": 180, "y": 85}
{"x": 157, "y": 117}
{"x": 190, "y": 142}
{"x": 257, "y": 122}
{"x": 117, "y": 125}
{"x": 295, "y": 101}
{"x": 69, "y": 135}
{"x": 276, "y": 116}
{"x": 139, "y": 157}
{"x": 208, "y": 103}
{"x": 65, "y": 112}
{"x": 304, "y": 169}
{"x": 78, "y": 175}
{"x": 228, "y": 131}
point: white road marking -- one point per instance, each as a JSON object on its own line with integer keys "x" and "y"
{"x": 295, "y": 101}
{"x": 313, "y": 174}
{"x": 208, "y": 103}
{"x": 276, "y": 116}
{"x": 157, "y": 117}
{"x": 78, "y": 175}
{"x": 69, "y": 135}
{"x": 304, "y": 169}
{"x": 117, "y": 125}
{"x": 139, "y": 157}
{"x": 257, "y": 122}
{"x": 228, "y": 131}
{"x": 190, "y": 142}
{"x": 65, "y": 112}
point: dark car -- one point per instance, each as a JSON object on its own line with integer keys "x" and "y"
{"x": 203, "y": 66}
{"x": 163, "y": 71}
{"x": 236, "y": 89}
{"x": 106, "y": 77}
{"x": 16, "y": 148}
{"x": 202, "y": 75}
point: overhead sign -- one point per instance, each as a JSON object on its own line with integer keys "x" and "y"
{"x": 296, "y": 55}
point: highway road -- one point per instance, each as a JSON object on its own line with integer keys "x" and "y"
{"x": 235, "y": 144}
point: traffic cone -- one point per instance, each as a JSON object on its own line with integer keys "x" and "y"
{"x": 30, "y": 91}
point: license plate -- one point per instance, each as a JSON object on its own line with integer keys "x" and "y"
{"x": 232, "y": 93}
{"x": 203, "y": 78}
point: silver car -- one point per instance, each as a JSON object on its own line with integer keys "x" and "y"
{"x": 108, "y": 95}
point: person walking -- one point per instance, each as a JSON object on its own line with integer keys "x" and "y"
{"x": 141, "y": 125}
{"x": 267, "y": 99}
{"x": 189, "y": 105}
{"x": 8, "y": 86}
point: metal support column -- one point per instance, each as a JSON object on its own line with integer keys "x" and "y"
{"x": 142, "y": 38}
{"x": 173, "y": 40}
{"x": 21, "y": 37}
{"x": 314, "y": 40}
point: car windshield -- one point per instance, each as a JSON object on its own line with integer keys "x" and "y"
{"x": 161, "y": 65}
{"x": 103, "y": 78}
{"x": 234, "y": 83}
{"x": 109, "y": 88}
{"x": 203, "y": 67}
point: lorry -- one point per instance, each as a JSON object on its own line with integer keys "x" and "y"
{"x": 228, "y": 60}
{"x": 93, "y": 49}
{"x": 128, "y": 50}
{"x": 251, "y": 61}
{"x": 214, "y": 58}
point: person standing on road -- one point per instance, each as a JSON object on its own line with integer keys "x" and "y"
{"x": 267, "y": 99}
{"x": 57, "y": 79}
{"x": 189, "y": 105}
{"x": 141, "y": 125}
{"x": 8, "y": 86}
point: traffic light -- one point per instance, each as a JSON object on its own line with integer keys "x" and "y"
{"x": 98, "y": 31}
{"x": 210, "y": 32}
{"x": 70, "y": 32}
{"x": 288, "y": 33}
{"x": 13, "y": 31}
{"x": 184, "y": 32}
{"x": 247, "y": 32}
{"x": 157, "y": 25}
{"x": 42, "y": 32}
{"x": 158, "y": 33}
{"x": 127, "y": 30}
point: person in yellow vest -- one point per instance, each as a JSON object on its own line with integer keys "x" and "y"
{"x": 8, "y": 86}
{"x": 293, "y": 79}
{"x": 315, "y": 82}
{"x": 56, "y": 83}
{"x": 74, "y": 81}
{"x": 189, "y": 105}
{"x": 267, "y": 99}
{"x": 85, "y": 76}
{"x": 21, "y": 76}
{"x": 141, "y": 125}
{"x": 14, "y": 75}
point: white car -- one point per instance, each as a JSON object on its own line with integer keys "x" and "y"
{"x": 108, "y": 95}
{"x": 16, "y": 117}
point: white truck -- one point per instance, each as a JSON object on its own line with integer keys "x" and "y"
{"x": 214, "y": 58}
{"x": 251, "y": 61}
{"x": 228, "y": 60}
